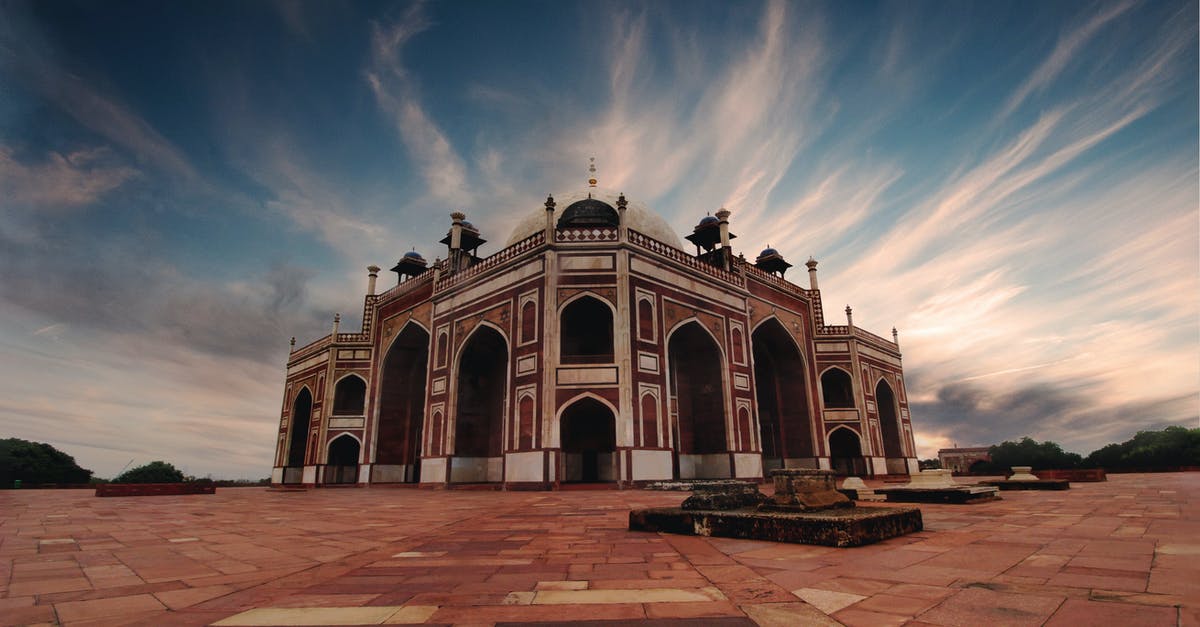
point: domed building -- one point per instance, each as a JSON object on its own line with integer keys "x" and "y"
{"x": 592, "y": 348}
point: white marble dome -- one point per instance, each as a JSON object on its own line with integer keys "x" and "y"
{"x": 637, "y": 217}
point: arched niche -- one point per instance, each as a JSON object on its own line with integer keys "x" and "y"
{"x": 845, "y": 453}
{"x": 785, "y": 423}
{"x": 298, "y": 434}
{"x": 481, "y": 380}
{"x": 402, "y": 407}
{"x": 837, "y": 389}
{"x": 889, "y": 425}
{"x": 697, "y": 387}
{"x": 349, "y": 396}
{"x": 341, "y": 464}
{"x": 588, "y": 439}
{"x": 586, "y": 332}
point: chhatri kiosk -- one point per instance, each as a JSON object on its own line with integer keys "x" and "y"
{"x": 593, "y": 347}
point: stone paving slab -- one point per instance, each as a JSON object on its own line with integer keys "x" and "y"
{"x": 1120, "y": 552}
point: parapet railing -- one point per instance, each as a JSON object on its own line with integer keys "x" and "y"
{"x": 782, "y": 283}
{"x": 678, "y": 256}
{"x": 447, "y": 281}
{"x": 409, "y": 285}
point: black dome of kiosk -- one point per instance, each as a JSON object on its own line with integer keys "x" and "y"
{"x": 588, "y": 212}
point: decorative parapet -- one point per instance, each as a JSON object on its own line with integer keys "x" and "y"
{"x": 584, "y": 235}
{"x": 447, "y": 281}
{"x": 407, "y": 286}
{"x": 767, "y": 277}
{"x": 680, "y": 257}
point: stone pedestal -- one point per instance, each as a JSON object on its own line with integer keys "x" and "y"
{"x": 1022, "y": 473}
{"x": 857, "y": 490}
{"x": 722, "y": 495}
{"x": 925, "y": 479}
{"x": 804, "y": 490}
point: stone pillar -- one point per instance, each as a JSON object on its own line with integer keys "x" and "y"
{"x": 812, "y": 273}
{"x": 337, "y": 321}
{"x": 372, "y": 276}
{"x": 723, "y": 216}
{"x": 456, "y": 240}
{"x": 896, "y": 337}
{"x": 849, "y": 317}
{"x": 550, "y": 204}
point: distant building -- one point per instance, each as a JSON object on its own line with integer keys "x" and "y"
{"x": 592, "y": 348}
{"x": 961, "y": 459}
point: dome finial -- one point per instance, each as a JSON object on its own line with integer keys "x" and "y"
{"x": 592, "y": 172}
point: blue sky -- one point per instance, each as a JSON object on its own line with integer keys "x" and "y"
{"x": 186, "y": 185}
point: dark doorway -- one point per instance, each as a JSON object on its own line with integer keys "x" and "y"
{"x": 349, "y": 396}
{"x": 482, "y": 377}
{"x": 402, "y": 408}
{"x": 588, "y": 434}
{"x": 298, "y": 437}
{"x": 889, "y": 423}
{"x": 696, "y": 385}
{"x": 586, "y": 332}
{"x": 845, "y": 452}
{"x": 783, "y": 412}
{"x": 342, "y": 465}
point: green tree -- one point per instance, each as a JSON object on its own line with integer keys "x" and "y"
{"x": 154, "y": 472}
{"x": 36, "y": 462}
{"x": 1173, "y": 446}
{"x": 1030, "y": 452}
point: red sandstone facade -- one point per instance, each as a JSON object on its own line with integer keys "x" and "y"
{"x": 592, "y": 348}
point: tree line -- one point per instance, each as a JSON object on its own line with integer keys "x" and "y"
{"x": 37, "y": 463}
{"x": 1171, "y": 448}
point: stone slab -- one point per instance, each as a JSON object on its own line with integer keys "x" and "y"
{"x": 839, "y": 528}
{"x": 1040, "y": 484}
{"x": 955, "y": 496}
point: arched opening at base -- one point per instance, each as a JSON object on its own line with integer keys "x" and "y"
{"x": 402, "y": 408}
{"x": 293, "y": 471}
{"x": 698, "y": 404}
{"x": 588, "y": 435}
{"x": 889, "y": 425}
{"x": 783, "y": 409}
{"x": 342, "y": 463}
{"x": 482, "y": 383}
{"x": 845, "y": 453}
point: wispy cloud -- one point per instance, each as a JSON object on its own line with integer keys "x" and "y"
{"x": 60, "y": 181}
{"x": 396, "y": 94}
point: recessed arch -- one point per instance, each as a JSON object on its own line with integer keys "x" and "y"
{"x": 480, "y": 382}
{"x": 696, "y": 379}
{"x": 401, "y": 406}
{"x": 585, "y": 329}
{"x": 349, "y": 395}
{"x": 837, "y": 388}
{"x": 781, "y": 391}
{"x": 343, "y": 457}
{"x": 588, "y": 440}
{"x": 298, "y": 427}
{"x": 845, "y": 451}
{"x": 889, "y": 420}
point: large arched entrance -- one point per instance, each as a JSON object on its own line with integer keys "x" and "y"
{"x": 783, "y": 409}
{"x": 342, "y": 463}
{"x": 478, "y": 425}
{"x": 588, "y": 436}
{"x": 889, "y": 424}
{"x": 698, "y": 400}
{"x": 845, "y": 453}
{"x": 298, "y": 437}
{"x": 402, "y": 408}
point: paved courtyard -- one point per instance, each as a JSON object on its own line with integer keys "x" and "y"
{"x": 1124, "y": 552}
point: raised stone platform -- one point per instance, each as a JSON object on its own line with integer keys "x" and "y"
{"x": 843, "y": 527}
{"x": 806, "y": 508}
{"x": 937, "y": 486}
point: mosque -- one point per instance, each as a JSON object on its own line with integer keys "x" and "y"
{"x": 593, "y": 348}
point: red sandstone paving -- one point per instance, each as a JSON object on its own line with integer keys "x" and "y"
{"x": 1126, "y": 551}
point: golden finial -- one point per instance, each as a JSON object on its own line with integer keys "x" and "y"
{"x": 592, "y": 170}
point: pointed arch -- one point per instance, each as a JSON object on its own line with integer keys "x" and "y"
{"x": 349, "y": 395}
{"x": 588, "y": 439}
{"x": 586, "y": 330}
{"x": 343, "y": 457}
{"x": 697, "y": 376}
{"x": 481, "y": 370}
{"x": 889, "y": 420}
{"x": 845, "y": 451}
{"x": 786, "y": 427}
{"x": 837, "y": 388}
{"x": 400, "y": 415}
{"x": 301, "y": 417}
